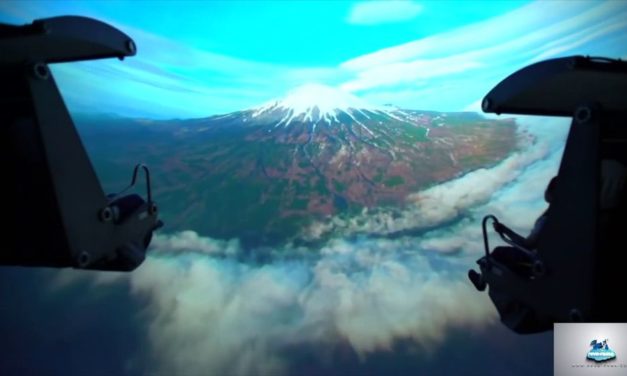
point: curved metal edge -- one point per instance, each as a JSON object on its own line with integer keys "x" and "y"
{"x": 520, "y": 80}
{"x": 113, "y": 41}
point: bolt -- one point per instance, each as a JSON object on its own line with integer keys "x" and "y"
{"x": 41, "y": 71}
{"x": 152, "y": 209}
{"x": 583, "y": 114}
{"x": 83, "y": 259}
{"x": 106, "y": 214}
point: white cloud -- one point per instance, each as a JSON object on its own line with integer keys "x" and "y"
{"x": 221, "y": 316}
{"x": 480, "y": 55}
{"x": 189, "y": 241}
{"x": 528, "y": 170}
{"x": 185, "y": 81}
{"x": 401, "y": 72}
{"x": 518, "y": 203}
{"x": 379, "y": 12}
{"x": 585, "y": 35}
{"x": 474, "y": 106}
{"x": 529, "y": 26}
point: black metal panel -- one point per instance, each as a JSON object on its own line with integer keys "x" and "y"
{"x": 56, "y": 212}
{"x": 75, "y": 184}
{"x": 556, "y": 87}
{"x": 569, "y": 241}
{"x": 32, "y": 231}
{"x": 63, "y": 39}
{"x": 611, "y": 255}
{"x": 568, "y": 244}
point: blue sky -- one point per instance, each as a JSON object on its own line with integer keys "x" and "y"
{"x": 201, "y": 58}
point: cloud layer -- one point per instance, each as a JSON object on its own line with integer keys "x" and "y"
{"x": 213, "y": 308}
{"x": 222, "y": 316}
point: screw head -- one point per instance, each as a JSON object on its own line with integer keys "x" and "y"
{"x": 40, "y": 70}
{"x": 106, "y": 214}
{"x": 153, "y": 209}
{"x": 538, "y": 268}
{"x": 83, "y": 259}
{"x": 583, "y": 114}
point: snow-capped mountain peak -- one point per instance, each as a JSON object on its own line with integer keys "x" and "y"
{"x": 316, "y": 102}
{"x": 325, "y": 98}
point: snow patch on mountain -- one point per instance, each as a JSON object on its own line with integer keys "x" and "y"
{"x": 316, "y": 102}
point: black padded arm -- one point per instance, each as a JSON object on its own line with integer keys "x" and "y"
{"x": 62, "y": 39}
{"x": 557, "y": 87}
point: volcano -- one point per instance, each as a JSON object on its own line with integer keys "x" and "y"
{"x": 264, "y": 173}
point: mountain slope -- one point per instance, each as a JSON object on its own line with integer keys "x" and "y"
{"x": 264, "y": 173}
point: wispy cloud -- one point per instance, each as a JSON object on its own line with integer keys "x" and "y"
{"x": 214, "y": 313}
{"x": 529, "y": 26}
{"x": 397, "y": 73}
{"x": 380, "y": 12}
{"x": 445, "y": 71}
{"x": 184, "y": 81}
{"x": 167, "y": 78}
{"x": 220, "y": 316}
{"x": 613, "y": 24}
{"x": 477, "y": 56}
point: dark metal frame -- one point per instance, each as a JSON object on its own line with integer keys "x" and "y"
{"x": 581, "y": 257}
{"x": 58, "y": 214}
